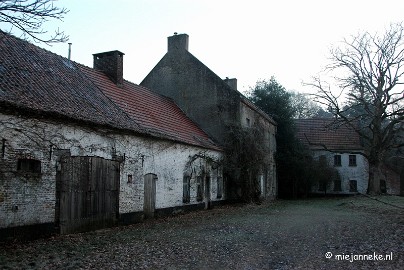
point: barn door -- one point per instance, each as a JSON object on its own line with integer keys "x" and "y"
{"x": 87, "y": 193}
{"x": 149, "y": 195}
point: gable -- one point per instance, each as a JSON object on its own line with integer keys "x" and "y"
{"x": 206, "y": 98}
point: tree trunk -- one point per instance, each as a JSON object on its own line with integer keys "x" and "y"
{"x": 375, "y": 174}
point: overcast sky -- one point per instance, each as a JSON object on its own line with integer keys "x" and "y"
{"x": 247, "y": 40}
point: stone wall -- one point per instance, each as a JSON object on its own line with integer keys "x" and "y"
{"x": 28, "y": 198}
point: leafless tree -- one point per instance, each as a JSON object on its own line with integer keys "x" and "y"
{"x": 29, "y": 17}
{"x": 368, "y": 69}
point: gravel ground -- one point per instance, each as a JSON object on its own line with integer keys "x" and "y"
{"x": 277, "y": 235}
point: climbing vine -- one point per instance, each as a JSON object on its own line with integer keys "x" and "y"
{"x": 246, "y": 156}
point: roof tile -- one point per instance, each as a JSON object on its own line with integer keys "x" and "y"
{"x": 35, "y": 79}
{"x": 319, "y": 133}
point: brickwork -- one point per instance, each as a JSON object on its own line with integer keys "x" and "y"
{"x": 111, "y": 63}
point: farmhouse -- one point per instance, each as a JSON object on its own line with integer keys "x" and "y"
{"x": 215, "y": 105}
{"x": 342, "y": 149}
{"x": 82, "y": 148}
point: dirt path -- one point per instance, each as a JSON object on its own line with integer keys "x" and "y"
{"x": 279, "y": 235}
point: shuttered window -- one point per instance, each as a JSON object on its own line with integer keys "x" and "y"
{"x": 186, "y": 196}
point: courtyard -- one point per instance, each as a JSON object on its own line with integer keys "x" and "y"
{"x": 325, "y": 233}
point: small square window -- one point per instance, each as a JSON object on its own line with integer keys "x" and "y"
{"x": 352, "y": 160}
{"x": 337, "y": 160}
{"x": 29, "y": 165}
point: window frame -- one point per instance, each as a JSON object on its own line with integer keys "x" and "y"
{"x": 353, "y": 186}
{"x": 337, "y": 160}
{"x": 339, "y": 186}
{"x": 352, "y": 161}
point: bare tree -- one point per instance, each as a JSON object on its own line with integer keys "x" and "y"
{"x": 369, "y": 71}
{"x": 29, "y": 17}
{"x": 305, "y": 107}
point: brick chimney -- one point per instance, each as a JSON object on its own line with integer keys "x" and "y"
{"x": 111, "y": 63}
{"x": 178, "y": 42}
{"x": 231, "y": 82}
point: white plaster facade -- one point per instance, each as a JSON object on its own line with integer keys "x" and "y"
{"x": 30, "y": 199}
{"x": 347, "y": 173}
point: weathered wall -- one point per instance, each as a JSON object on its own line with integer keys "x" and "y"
{"x": 251, "y": 118}
{"x": 199, "y": 92}
{"x": 30, "y": 198}
{"x": 207, "y": 100}
{"x": 347, "y": 173}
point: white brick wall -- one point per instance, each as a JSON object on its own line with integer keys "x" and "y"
{"x": 30, "y": 199}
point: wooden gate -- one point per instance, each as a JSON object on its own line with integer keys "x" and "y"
{"x": 87, "y": 193}
{"x": 149, "y": 205}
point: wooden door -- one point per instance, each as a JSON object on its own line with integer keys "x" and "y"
{"x": 87, "y": 193}
{"x": 149, "y": 205}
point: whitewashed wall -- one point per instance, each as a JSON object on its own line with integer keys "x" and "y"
{"x": 359, "y": 172}
{"x": 26, "y": 200}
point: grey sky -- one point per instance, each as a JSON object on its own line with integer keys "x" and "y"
{"x": 248, "y": 40}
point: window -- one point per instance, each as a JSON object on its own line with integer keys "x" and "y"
{"x": 219, "y": 187}
{"x": 337, "y": 185}
{"x": 353, "y": 186}
{"x": 383, "y": 187}
{"x": 352, "y": 160}
{"x": 186, "y": 196}
{"x": 29, "y": 165}
{"x": 199, "y": 188}
{"x": 337, "y": 160}
{"x": 248, "y": 122}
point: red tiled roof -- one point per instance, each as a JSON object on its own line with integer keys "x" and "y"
{"x": 37, "y": 80}
{"x": 158, "y": 115}
{"x": 320, "y": 132}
